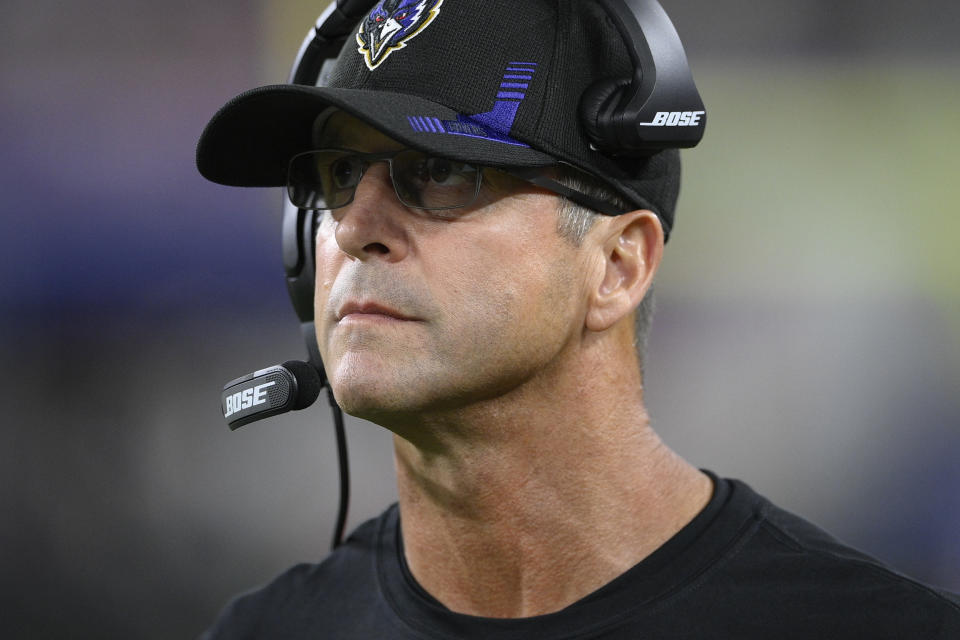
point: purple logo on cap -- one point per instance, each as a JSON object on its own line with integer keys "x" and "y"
{"x": 390, "y": 24}
{"x": 493, "y": 125}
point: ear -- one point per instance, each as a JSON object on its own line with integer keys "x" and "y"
{"x": 632, "y": 246}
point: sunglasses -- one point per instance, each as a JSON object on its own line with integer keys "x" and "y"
{"x": 328, "y": 179}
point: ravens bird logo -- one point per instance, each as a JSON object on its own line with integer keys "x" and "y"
{"x": 390, "y": 24}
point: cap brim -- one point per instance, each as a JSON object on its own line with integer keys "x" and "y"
{"x": 250, "y": 141}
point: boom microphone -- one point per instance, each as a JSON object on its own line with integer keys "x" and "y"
{"x": 284, "y": 387}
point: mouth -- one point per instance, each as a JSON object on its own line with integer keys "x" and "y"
{"x": 354, "y": 311}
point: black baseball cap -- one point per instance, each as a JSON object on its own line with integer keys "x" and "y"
{"x": 497, "y": 82}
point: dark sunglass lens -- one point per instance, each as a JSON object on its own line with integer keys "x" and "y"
{"x": 427, "y": 182}
{"x": 303, "y": 183}
{"x": 409, "y": 171}
{"x": 323, "y": 179}
{"x": 440, "y": 170}
{"x": 452, "y": 184}
{"x": 342, "y": 173}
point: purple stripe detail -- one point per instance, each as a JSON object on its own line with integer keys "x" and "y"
{"x": 532, "y": 64}
{"x": 439, "y": 124}
{"x": 515, "y": 143}
{"x": 423, "y": 124}
{"x": 413, "y": 123}
{"x": 429, "y": 125}
{"x": 499, "y": 121}
{"x": 514, "y": 85}
{"x": 522, "y": 69}
{"x": 514, "y": 77}
{"x": 511, "y": 94}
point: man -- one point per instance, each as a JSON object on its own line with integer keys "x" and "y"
{"x": 497, "y": 329}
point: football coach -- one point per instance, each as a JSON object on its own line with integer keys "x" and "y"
{"x": 494, "y": 183}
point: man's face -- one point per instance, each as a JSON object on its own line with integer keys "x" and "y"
{"x": 420, "y": 311}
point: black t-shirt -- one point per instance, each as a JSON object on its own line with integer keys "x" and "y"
{"x": 742, "y": 569}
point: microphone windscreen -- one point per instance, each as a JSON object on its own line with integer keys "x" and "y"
{"x": 308, "y": 383}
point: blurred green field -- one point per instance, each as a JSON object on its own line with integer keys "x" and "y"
{"x": 823, "y": 181}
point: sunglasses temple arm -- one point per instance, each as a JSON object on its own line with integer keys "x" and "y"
{"x": 580, "y": 198}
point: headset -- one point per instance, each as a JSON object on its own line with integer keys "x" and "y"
{"x": 620, "y": 118}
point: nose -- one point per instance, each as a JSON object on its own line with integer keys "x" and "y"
{"x": 371, "y": 227}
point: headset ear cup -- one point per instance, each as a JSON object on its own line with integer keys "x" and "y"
{"x": 597, "y": 106}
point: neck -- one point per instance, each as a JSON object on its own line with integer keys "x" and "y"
{"x": 519, "y": 506}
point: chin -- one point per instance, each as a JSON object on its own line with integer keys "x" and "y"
{"x": 369, "y": 392}
{"x": 392, "y": 400}
{"x": 366, "y": 404}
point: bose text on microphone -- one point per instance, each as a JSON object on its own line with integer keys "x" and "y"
{"x": 288, "y": 387}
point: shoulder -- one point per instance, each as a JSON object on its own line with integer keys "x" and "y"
{"x": 792, "y": 566}
{"x": 306, "y": 595}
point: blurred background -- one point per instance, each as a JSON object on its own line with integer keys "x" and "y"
{"x": 807, "y": 337}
